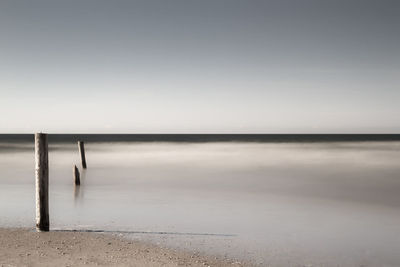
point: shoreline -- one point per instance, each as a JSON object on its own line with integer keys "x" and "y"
{"x": 26, "y": 247}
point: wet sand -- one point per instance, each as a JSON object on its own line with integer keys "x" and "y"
{"x": 25, "y": 247}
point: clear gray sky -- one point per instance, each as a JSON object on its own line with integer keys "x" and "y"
{"x": 205, "y": 66}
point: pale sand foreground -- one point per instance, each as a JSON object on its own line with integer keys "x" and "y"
{"x": 25, "y": 247}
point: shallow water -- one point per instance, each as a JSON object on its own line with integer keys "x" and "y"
{"x": 279, "y": 204}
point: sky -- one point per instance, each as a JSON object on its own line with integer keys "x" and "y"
{"x": 209, "y": 66}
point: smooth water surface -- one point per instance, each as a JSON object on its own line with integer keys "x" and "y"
{"x": 279, "y": 204}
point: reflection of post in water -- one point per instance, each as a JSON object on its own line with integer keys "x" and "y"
{"x": 77, "y": 190}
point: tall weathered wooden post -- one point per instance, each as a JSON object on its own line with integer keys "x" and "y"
{"x": 82, "y": 152}
{"x": 42, "y": 182}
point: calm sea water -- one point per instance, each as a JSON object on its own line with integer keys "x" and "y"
{"x": 275, "y": 200}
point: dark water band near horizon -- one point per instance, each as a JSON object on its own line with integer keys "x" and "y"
{"x": 274, "y": 200}
{"x": 261, "y": 138}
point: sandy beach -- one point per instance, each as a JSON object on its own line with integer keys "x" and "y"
{"x": 25, "y": 247}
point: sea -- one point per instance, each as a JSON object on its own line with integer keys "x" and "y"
{"x": 271, "y": 200}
